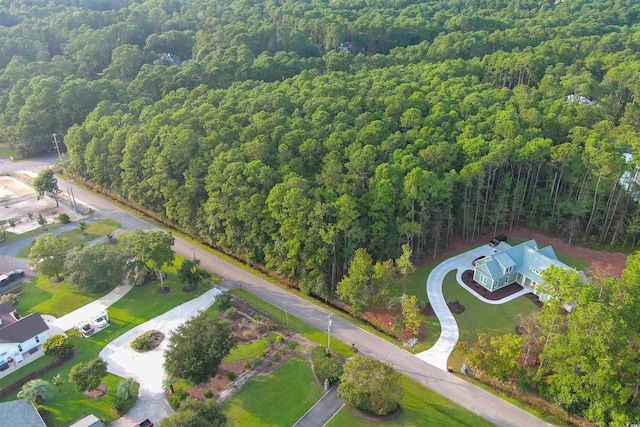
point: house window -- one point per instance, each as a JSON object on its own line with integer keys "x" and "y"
{"x": 534, "y": 270}
{"x": 506, "y": 280}
{"x": 508, "y": 270}
{"x": 37, "y": 339}
{"x": 19, "y": 347}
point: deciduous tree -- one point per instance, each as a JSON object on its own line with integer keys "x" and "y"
{"x": 371, "y": 386}
{"x": 86, "y": 376}
{"x": 197, "y": 347}
{"x": 47, "y": 255}
{"x": 46, "y": 183}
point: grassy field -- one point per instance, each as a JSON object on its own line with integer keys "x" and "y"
{"x": 13, "y": 237}
{"x": 6, "y": 151}
{"x": 420, "y": 407}
{"x": 247, "y": 350}
{"x": 139, "y": 305}
{"x": 276, "y": 399}
{"x": 76, "y": 236}
{"x": 296, "y": 324}
{"x": 41, "y": 294}
{"x": 481, "y": 317}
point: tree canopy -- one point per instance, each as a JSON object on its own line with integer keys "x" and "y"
{"x": 48, "y": 254}
{"x": 86, "y": 376}
{"x": 371, "y": 386}
{"x": 196, "y": 348}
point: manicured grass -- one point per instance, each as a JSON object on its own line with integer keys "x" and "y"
{"x": 139, "y": 305}
{"x": 76, "y": 236}
{"x": 13, "y": 237}
{"x": 420, "y": 407}
{"x": 41, "y": 294}
{"x": 296, "y": 324}
{"x": 276, "y": 399}
{"x": 247, "y": 350}
{"x": 482, "y": 317}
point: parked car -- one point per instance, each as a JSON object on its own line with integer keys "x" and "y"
{"x": 101, "y": 322}
{"x": 496, "y": 240}
{"x": 5, "y": 279}
{"x": 145, "y": 423}
{"x": 85, "y": 329}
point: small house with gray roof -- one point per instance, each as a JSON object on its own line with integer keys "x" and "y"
{"x": 521, "y": 264}
{"x": 20, "y": 413}
{"x": 19, "y": 335}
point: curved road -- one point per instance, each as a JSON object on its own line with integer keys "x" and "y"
{"x": 465, "y": 394}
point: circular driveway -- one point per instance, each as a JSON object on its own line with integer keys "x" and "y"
{"x": 147, "y": 368}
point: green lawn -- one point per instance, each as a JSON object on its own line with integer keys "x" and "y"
{"x": 247, "y": 350}
{"x": 481, "y": 317}
{"x": 6, "y": 151}
{"x": 13, "y": 237}
{"x": 420, "y": 407}
{"x": 76, "y": 236}
{"x": 276, "y": 399}
{"x": 138, "y": 306}
{"x": 296, "y": 324}
{"x": 43, "y": 295}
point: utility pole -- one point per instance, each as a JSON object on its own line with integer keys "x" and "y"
{"x": 55, "y": 142}
{"x": 329, "y": 335}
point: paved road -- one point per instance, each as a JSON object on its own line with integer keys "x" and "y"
{"x": 323, "y": 410}
{"x": 469, "y": 396}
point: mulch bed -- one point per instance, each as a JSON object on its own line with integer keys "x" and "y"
{"x": 154, "y": 341}
{"x": 99, "y": 392}
{"x": 467, "y": 278}
{"x": 455, "y": 307}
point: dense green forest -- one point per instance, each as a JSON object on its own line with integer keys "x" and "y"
{"x": 245, "y": 123}
{"x": 294, "y": 133}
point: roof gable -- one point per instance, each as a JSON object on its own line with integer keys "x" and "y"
{"x": 24, "y": 329}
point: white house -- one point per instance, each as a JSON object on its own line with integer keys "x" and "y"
{"x": 19, "y": 335}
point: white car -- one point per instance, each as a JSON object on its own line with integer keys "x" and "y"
{"x": 101, "y": 321}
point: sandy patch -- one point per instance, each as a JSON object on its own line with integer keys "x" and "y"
{"x": 11, "y": 188}
{"x": 19, "y": 200}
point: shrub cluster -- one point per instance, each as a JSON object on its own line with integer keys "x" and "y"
{"x": 326, "y": 366}
{"x": 143, "y": 342}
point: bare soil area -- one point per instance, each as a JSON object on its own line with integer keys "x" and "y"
{"x": 20, "y": 204}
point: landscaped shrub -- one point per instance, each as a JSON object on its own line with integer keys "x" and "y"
{"x": 208, "y": 394}
{"x": 223, "y": 300}
{"x": 143, "y": 342}
{"x": 231, "y": 313}
{"x": 280, "y": 338}
{"x": 256, "y": 361}
{"x": 276, "y": 357}
{"x": 293, "y": 344}
{"x": 64, "y": 218}
{"x": 177, "y": 397}
{"x": 326, "y": 366}
{"x": 247, "y": 334}
{"x": 231, "y": 376}
{"x": 119, "y": 406}
{"x": 247, "y": 365}
{"x": 260, "y": 327}
{"x": 57, "y": 346}
{"x": 11, "y": 298}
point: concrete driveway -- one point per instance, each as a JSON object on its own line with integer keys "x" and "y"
{"x": 438, "y": 355}
{"x": 147, "y": 368}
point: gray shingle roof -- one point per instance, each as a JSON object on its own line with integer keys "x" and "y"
{"x": 22, "y": 330}
{"x": 19, "y": 413}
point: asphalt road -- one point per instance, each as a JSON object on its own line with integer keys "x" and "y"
{"x": 465, "y": 394}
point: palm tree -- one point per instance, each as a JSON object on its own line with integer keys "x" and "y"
{"x": 36, "y": 390}
{"x": 192, "y": 274}
{"x": 124, "y": 388}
